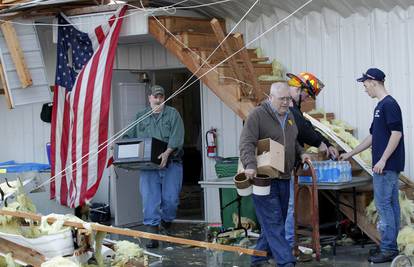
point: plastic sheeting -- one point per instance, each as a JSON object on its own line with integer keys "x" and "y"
{"x": 13, "y": 167}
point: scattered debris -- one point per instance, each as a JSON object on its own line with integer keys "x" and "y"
{"x": 126, "y": 251}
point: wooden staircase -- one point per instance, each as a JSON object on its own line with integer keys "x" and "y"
{"x": 235, "y": 81}
{"x": 193, "y": 40}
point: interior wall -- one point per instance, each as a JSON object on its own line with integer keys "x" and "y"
{"x": 338, "y": 50}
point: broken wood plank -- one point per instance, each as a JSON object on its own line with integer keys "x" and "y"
{"x": 22, "y": 253}
{"x": 16, "y": 53}
{"x": 138, "y": 234}
{"x": 5, "y": 87}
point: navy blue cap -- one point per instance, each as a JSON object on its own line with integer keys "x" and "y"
{"x": 372, "y": 74}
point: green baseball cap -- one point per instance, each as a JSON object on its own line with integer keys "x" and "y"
{"x": 157, "y": 90}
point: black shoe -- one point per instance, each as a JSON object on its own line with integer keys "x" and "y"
{"x": 374, "y": 251}
{"x": 262, "y": 264}
{"x": 165, "y": 227}
{"x": 153, "y": 230}
{"x": 381, "y": 257}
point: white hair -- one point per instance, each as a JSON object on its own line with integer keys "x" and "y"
{"x": 276, "y": 87}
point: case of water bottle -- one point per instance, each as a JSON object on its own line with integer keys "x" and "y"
{"x": 329, "y": 172}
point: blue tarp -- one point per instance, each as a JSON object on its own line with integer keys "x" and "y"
{"x": 13, "y": 166}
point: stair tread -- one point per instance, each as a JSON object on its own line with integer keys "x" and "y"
{"x": 253, "y": 60}
{"x": 255, "y": 65}
{"x": 188, "y": 18}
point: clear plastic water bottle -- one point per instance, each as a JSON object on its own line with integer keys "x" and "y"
{"x": 342, "y": 171}
{"x": 336, "y": 172}
{"x": 331, "y": 176}
{"x": 349, "y": 171}
{"x": 323, "y": 172}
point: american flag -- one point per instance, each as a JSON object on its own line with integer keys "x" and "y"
{"x": 81, "y": 109}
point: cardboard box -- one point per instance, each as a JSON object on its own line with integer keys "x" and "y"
{"x": 270, "y": 158}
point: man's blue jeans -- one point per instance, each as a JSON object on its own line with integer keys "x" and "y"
{"x": 160, "y": 191}
{"x": 388, "y": 208}
{"x": 290, "y": 224}
{"x": 271, "y": 213}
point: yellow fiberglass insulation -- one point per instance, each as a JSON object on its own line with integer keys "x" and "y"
{"x": 125, "y": 251}
{"x": 59, "y": 261}
{"x": 99, "y": 237}
{"x": 405, "y": 240}
{"x": 406, "y": 206}
{"x": 57, "y": 226}
{"x": 312, "y": 149}
{"x": 11, "y": 225}
{"x": 259, "y": 52}
{"x": 340, "y": 127}
{"x": 7, "y": 261}
{"x": 371, "y": 212}
{"x": 277, "y": 73}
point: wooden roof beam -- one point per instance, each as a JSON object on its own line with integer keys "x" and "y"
{"x": 16, "y": 54}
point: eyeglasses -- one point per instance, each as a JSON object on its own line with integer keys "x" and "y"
{"x": 284, "y": 99}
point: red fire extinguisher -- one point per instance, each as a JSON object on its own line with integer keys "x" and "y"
{"x": 211, "y": 141}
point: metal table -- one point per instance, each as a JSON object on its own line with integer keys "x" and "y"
{"x": 228, "y": 183}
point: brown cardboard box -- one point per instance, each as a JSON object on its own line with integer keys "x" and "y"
{"x": 270, "y": 158}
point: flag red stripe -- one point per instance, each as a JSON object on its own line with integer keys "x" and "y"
{"x": 74, "y": 133}
{"x": 64, "y": 151}
{"x": 105, "y": 104}
{"x": 100, "y": 34}
{"x": 111, "y": 20}
{"x": 53, "y": 141}
{"x": 87, "y": 122}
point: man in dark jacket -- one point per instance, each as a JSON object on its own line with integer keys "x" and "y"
{"x": 272, "y": 119}
{"x": 301, "y": 87}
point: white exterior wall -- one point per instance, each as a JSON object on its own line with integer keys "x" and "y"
{"x": 23, "y": 135}
{"x": 339, "y": 50}
{"x": 217, "y": 115}
{"x": 145, "y": 56}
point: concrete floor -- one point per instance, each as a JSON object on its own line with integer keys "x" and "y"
{"x": 178, "y": 255}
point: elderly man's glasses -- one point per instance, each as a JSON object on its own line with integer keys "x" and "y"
{"x": 284, "y": 99}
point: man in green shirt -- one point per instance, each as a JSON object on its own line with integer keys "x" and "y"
{"x": 160, "y": 189}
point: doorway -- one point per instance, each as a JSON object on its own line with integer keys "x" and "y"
{"x": 187, "y": 103}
